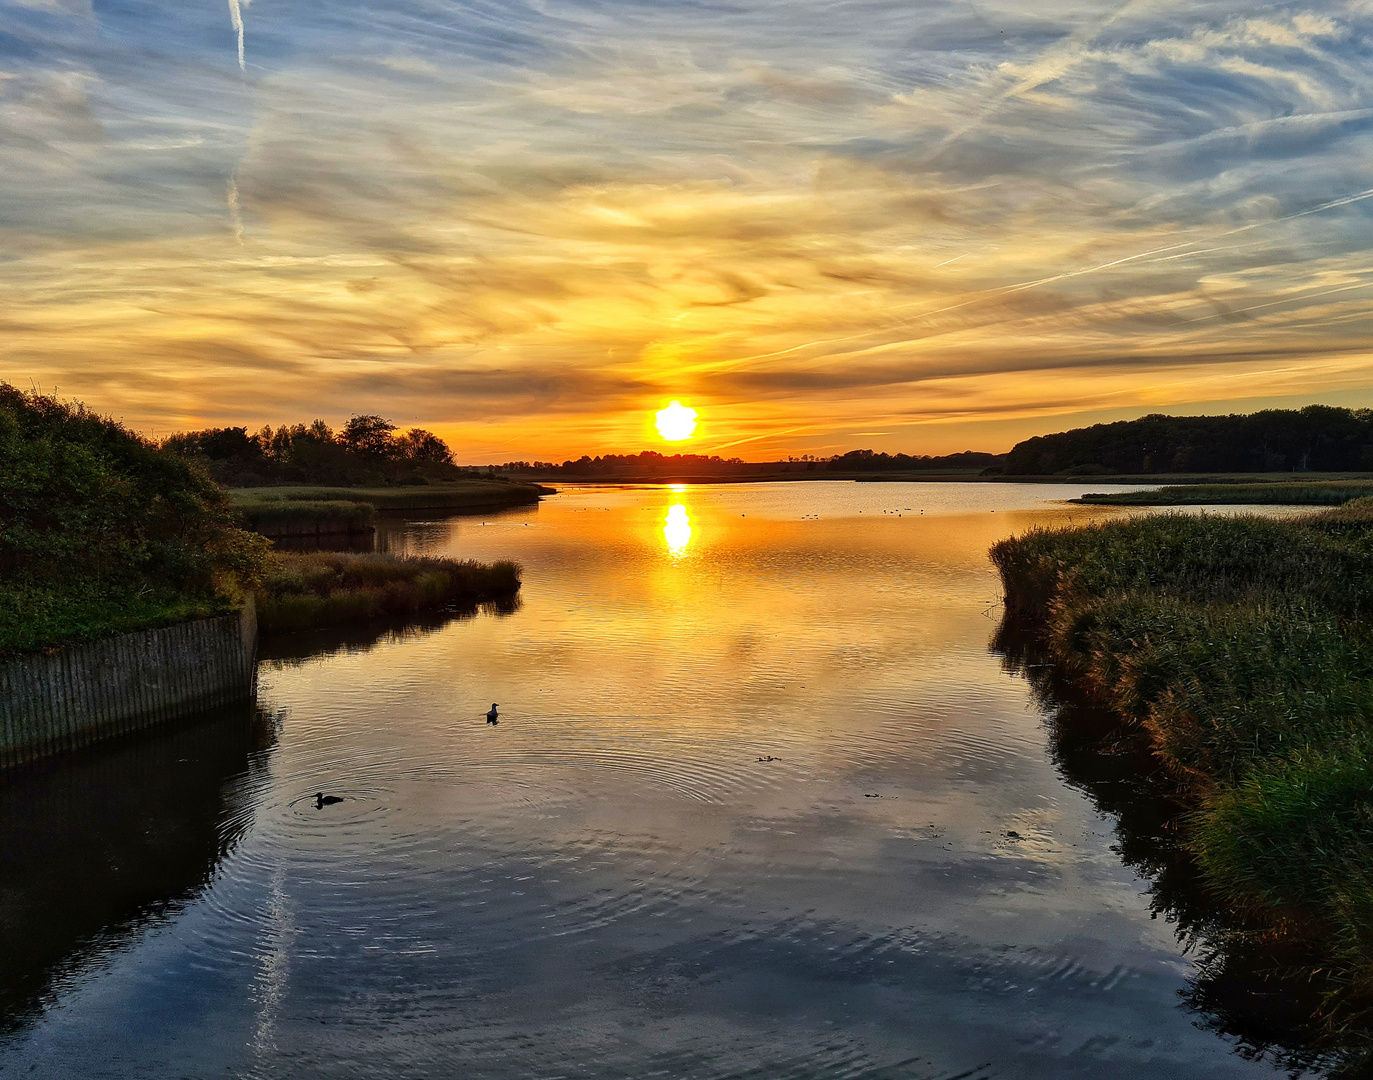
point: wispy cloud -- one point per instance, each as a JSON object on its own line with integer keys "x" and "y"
{"x": 528, "y": 225}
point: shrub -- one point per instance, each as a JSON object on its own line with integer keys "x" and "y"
{"x": 101, "y": 532}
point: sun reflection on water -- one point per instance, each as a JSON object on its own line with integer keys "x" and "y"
{"x": 677, "y": 530}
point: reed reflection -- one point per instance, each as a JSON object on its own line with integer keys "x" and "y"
{"x": 1265, "y": 991}
{"x": 677, "y": 530}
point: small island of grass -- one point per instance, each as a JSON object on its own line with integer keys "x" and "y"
{"x": 298, "y": 510}
{"x": 1238, "y": 653}
{"x": 327, "y": 589}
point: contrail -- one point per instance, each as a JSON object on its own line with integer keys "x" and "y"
{"x": 234, "y": 215}
{"x": 236, "y": 17}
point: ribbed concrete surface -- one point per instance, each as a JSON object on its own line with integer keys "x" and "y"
{"x": 51, "y": 704}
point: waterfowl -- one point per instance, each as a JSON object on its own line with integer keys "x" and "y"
{"x": 322, "y": 800}
{"x": 491, "y": 717}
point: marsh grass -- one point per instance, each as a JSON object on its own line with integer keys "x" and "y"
{"x": 306, "y": 591}
{"x": 1238, "y": 651}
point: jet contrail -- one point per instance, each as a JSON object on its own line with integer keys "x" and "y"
{"x": 234, "y": 214}
{"x": 236, "y": 17}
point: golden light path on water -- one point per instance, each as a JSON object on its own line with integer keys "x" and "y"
{"x": 677, "y": 530}
{"x": 677, "y": 524}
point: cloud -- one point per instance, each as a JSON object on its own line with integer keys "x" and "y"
{"x": 528, "y": 225}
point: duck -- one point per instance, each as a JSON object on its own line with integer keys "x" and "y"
{"x": 491, "y": 717}
{"x": 322, "y": 800}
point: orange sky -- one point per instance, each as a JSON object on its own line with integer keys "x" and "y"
{"x": 921, "y": 229}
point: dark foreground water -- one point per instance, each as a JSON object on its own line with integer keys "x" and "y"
{"x": 761, "y": 803}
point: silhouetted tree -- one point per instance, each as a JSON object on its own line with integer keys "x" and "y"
{"x": 368, "y": 434}
{"x": 423, "y": 446}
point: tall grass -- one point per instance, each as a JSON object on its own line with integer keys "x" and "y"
{"x": 1238, "y": 650}
{"x": 304, "y": 591}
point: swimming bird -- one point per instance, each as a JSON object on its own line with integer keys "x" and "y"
{"x": 491, "y": 717}
{"x": 322, "y": 800}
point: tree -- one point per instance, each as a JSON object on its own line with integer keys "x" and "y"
{"x": 368, "y": 434}
{"x": 423, "y": 446}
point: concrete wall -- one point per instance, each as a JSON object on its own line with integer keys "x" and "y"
{"x": 53, "y": 703}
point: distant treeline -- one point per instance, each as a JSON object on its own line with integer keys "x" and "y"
{"x": 1319, "y": 438}
{"x": 868, "y": 461}
{"x": 368, "y": 450}
{"x": 647, "y": 463}
{"x": 651, "y": 463}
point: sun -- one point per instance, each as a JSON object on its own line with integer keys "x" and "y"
{"x": 676, "y": 422}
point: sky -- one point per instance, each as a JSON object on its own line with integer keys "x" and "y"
{"x": 529, "y": 224}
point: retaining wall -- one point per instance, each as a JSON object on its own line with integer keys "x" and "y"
{"x": 50, "y": 704}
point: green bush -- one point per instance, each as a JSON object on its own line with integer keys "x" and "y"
{"x": 101, "y": 532}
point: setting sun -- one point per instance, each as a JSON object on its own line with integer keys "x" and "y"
{"x": 676, "y": 422}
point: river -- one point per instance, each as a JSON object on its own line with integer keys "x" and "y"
{"x": 761, "y": 802}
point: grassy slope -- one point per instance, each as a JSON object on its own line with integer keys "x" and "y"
{"x": 1320, "y": 493}
{"x": 1238, "y": 649}
{"x": 322, "y": 589}
{"x": 34, "y": 619}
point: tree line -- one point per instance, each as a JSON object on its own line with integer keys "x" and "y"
{"x": 1317, "y": 438}
{"x": 871, "y": 461}
{"x": 367, "y": 449}
{"x": 647, "y": 462}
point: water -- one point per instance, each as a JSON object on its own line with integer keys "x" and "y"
{"x": 760, "y": 803}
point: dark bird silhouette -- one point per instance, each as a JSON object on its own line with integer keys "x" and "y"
{"x": 322, "y": 800}
{"x": 491, "y": 717}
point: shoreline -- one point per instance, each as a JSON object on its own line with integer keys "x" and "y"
{"x": 1152, "y": 480}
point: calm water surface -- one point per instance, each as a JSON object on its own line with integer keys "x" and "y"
{"x": 761, "y": 803}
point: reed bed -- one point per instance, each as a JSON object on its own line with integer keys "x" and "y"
{"x": 1238, "y": 651}
{"x": 306, "y": 591}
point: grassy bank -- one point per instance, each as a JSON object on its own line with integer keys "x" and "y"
{"x": 326, "y": 589}
{"x": 1321, "y": 493}
{"x": 458, "y": 495}
{"x": 1238, "y": 652}
{"x": 282, "y": 512}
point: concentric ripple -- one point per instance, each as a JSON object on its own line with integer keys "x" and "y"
{"x": 759, "y": 806}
